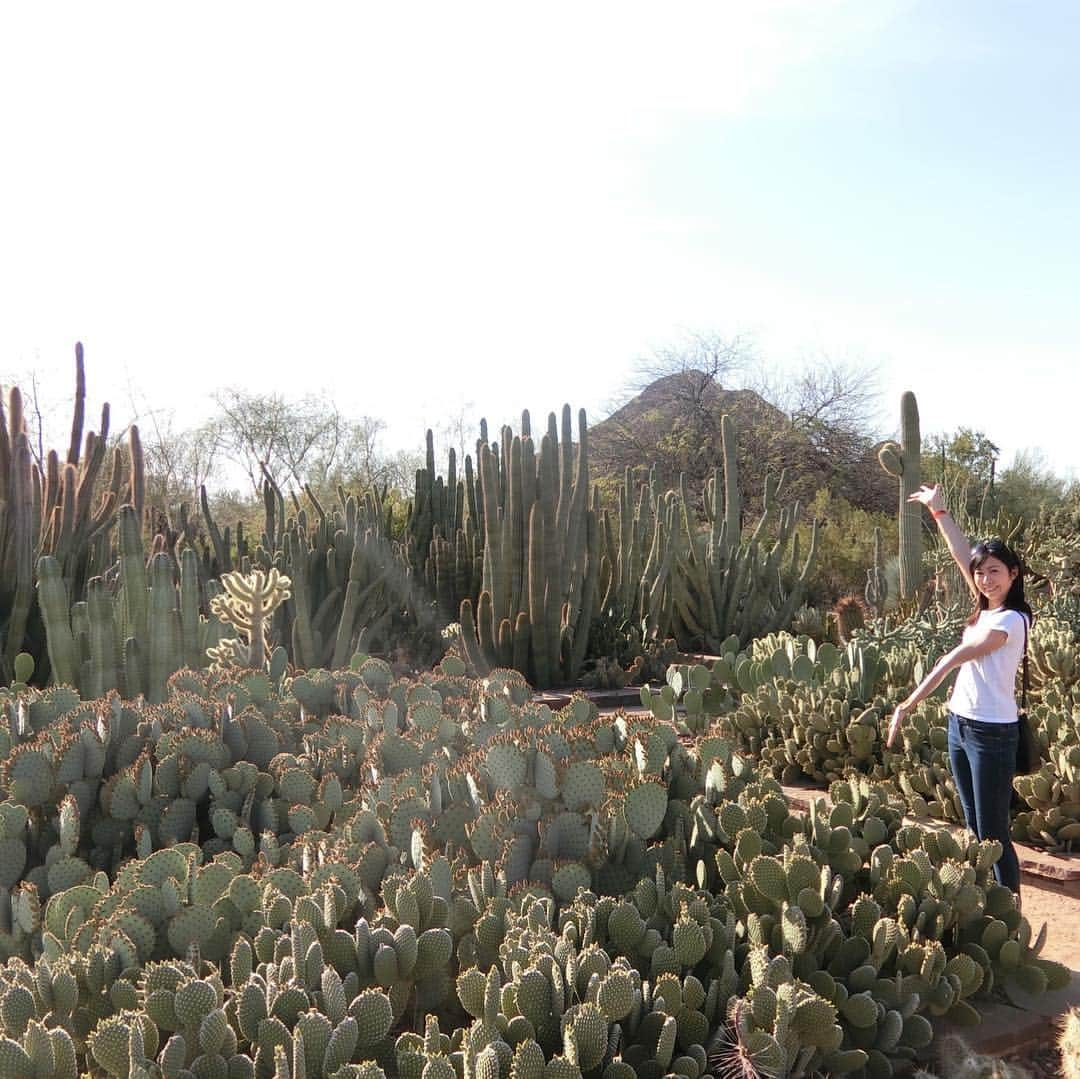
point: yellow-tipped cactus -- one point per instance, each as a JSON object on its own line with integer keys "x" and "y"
{"x": 247, "y": 604}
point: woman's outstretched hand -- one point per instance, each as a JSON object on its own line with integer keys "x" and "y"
{"x": 930, "y": 497}
{"x": 894, "y": 726}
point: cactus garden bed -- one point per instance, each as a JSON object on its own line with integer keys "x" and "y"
{"x": 286, "y": 875}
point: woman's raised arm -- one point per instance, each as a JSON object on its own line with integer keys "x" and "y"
{"x": 955, "y": 540}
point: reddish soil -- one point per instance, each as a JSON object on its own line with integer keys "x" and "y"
{"x": 1059, "y": 906}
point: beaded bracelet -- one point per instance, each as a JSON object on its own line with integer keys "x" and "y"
{"x": 939, "y": 513}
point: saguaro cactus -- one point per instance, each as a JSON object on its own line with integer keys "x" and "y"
{"x": 903, "y": 460}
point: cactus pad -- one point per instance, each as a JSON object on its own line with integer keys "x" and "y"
{"x": 645, "y": 807}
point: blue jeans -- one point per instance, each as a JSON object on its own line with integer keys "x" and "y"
{"x": 983, "y": 758}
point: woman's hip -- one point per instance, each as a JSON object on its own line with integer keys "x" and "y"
{"x": 983, "y": 739}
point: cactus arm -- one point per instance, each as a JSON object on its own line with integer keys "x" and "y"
{"x": 791, "y": 600}
{"x": 732, "y": 501}
{"x": 133, "y": 575}
{"x": 134, "y": 686}
{"x": 469, "y": 640}
{"x": 50, "y": 495}
{"x": 351, "y": 606}
{"x": 189, "y": 608}
{"x": 221, "y": 550}
{"x": 515, "y": 515}
{"x": 137, "y": 466}
{"x": 296, "y": 563}
{"x": 492, "y": 536}
{"x": 590, "y": 592}
{"x": 537, "y": 595}
{"x": 23, "y": 543}
{"x": 163, "y": 629}
{"x": 104, "y": 670}
{"x": 56, "y": 612}
{"x": 5, "y": 439}
{"x": 64, "y": 528}
{"x": 79, "y": 410}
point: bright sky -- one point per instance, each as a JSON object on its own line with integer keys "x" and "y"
{"x": 423, "y": 207}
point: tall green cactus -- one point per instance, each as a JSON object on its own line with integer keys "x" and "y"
{"x": 904, "y": 461}
{"x": 700, "y": 587}
{"x": 441, "y": 533}
{"x": 133, "y": 639}
{"x": 56, "y": 612}
{"x": 541, "y": 555}
{"x": 352, "y": 584}
{"x": 52, "y": 511}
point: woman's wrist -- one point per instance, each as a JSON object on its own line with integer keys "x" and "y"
{"x": 938, "y": 514}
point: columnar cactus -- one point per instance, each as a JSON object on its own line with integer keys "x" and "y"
{"x": 541, "y": 557}
{"x": 700, "y": 587}
{"x": 877, "y": 584}
{"x": 904, "y": 461}
{"x": 52, "y": 512}
{"x": 134, "y": 640}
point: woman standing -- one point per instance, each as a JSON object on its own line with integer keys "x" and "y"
{"x": 983, "y": 730}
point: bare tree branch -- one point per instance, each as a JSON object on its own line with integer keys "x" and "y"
{"x": 819, "y": 422}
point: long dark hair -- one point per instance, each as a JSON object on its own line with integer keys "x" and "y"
{"x": 1014, "y": 601}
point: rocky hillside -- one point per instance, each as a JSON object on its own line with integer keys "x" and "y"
{"x": 674, "y": 424}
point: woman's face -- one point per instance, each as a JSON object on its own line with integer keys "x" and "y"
{"x": 993, "y": 579}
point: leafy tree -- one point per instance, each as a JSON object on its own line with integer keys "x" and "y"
{"x": 832, "y": 403}
{"x": 1029, "y": 486}
{"x": 845, "y": 545}
{"x": 964, "y": 462}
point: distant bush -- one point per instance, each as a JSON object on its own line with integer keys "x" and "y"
{"x": 845, "y": 545}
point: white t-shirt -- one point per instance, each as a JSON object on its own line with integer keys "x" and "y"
{"x": 986, "y": 688}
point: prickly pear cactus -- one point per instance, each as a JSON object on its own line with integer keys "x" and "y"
{"x": 296, "y": 875}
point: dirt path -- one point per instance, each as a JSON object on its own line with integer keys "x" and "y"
{"x": 1058, "y": 905}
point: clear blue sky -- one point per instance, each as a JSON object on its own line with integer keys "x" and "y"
{"x": 428, "y": 208}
